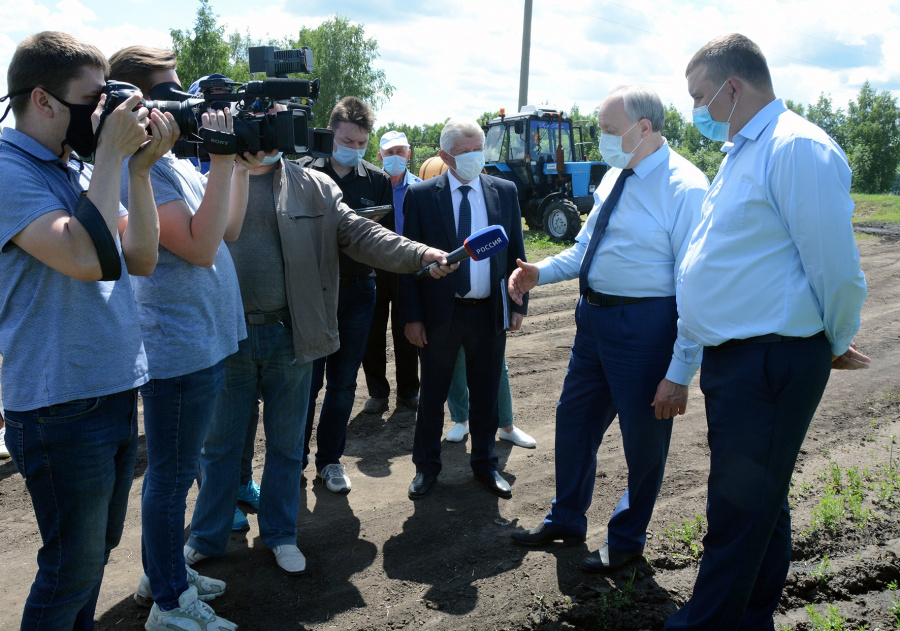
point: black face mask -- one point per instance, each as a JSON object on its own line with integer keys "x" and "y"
{"x": 80, "y": 132}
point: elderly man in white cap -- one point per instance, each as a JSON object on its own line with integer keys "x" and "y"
{"x": 394, "y": 154}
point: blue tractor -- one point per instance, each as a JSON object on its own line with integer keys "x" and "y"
{"x": 536, "y": 150}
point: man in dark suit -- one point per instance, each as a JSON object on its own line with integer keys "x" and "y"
{"x": 471, "y": 309}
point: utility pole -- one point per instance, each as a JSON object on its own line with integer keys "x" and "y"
{"x": 526, "y": 55}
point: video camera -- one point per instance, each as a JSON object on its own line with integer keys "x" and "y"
{"x": 255, "y": 129}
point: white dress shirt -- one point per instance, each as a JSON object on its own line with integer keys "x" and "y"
{"x": 479, "y": 271}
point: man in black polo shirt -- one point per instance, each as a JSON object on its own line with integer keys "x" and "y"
{"x": 363, "y": 185}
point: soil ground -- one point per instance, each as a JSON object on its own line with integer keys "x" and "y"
{"x": 378, "y": 561}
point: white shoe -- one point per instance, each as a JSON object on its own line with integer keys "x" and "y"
{"x": 191, "y": 614}
{"x": 335, "y": 478}
{"x": 4, "y": 452}
{"x": 518, "y": 437}
{"x": 207, "y": 588}
{"x": 290, "y": 559}
{"x": 458, "y": 432}
{"x": 191, "y": 556}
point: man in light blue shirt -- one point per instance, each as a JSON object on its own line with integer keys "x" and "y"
{"x": 772, "y": 289}
{"x": 626, "y": 358}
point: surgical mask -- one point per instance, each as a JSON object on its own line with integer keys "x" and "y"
{"x": 80, "y": 132}
{"x": 272, "y": 159}
{"x": 347, "y": 156}
{"x": 469, "y": 165}
{"x": 712, "y": 129}
{"x": 394, "y": 165}
{"x": 611, "y": 149}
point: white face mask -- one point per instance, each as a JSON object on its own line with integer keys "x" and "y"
{"x": 469, "y": 165}
{"x": 611, "y": 150}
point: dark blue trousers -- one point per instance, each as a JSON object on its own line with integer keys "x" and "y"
{"x": 760, "y": 399}
{"x": 620, "y": 355}
{"x": 472, "y": 328}
{"x": 356, "y": 304}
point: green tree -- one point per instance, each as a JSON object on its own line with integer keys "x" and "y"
{"x": 872, "y": 132}
{"x": 830, "y": 120}
{"x": 204, "y": 50}
{"x": 343, "y": 58}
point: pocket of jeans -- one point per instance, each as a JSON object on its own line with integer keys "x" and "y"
{"x": 70, "y": 411}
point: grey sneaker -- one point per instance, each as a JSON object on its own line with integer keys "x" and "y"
{"x": 4, "y": 452}
{"x": 376, "y": 405}
{"x": 207, "y": 588}
{"x": 334, "y": 478}
{"x": 290, "y": 559}
{"x": 191, "y": 556}
{"x": 191, "y": 614}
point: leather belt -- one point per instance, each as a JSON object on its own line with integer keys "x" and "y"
{"x": 771, "y": 338}
{"x": 470, "y": 302}
{"x": 283, "y": 317}
{"x": 352, "y": 279}
{"x": 599, "y": 299}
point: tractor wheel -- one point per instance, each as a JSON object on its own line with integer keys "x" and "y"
{"x": 532, "y": 221}
{"x": 561, "y": 220}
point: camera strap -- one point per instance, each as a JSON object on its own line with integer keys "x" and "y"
{"x": 104, "y": 242}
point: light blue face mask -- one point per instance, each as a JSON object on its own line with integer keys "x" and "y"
{"x": 469, "y": 165}
{"x": 347, "y": 156}
{"x": 272, "y": 159}
{"x": 394, "y": 165}
{"x": 712, "y": 129}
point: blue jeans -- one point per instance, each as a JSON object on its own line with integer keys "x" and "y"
{"x": 264, "y": 363}
{"x": 356, "y": 305}
{"x": 177, "y": 413}
{"x": 458, "y": 397}
{"x": 77, "y": 459}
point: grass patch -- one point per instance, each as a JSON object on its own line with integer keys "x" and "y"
{"x": 689, "y": 535}
{"x": 539, "y": 246}
{"x": 831, "y": 621}
{"x": 880, "y": 208}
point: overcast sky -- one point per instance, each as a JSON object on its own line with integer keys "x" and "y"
{"x": 461, "y": 57}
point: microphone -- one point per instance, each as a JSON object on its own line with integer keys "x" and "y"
{"x": 479, "y": 245}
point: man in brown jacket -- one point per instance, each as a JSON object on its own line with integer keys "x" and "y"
{"x": 287, "y": 265}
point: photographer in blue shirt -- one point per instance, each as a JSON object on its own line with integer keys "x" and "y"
{"x": 772, "y": 289}
{"x": 69, "y": 334}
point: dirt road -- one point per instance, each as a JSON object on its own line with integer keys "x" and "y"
{"x": 379, "y": 561}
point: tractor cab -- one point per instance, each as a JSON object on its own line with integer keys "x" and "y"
{"x": 523, "y": 149}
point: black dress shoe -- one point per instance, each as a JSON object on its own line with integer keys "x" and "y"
{"x": 543, "y": 536}
{"x": 421, "y": 485}
{"x": 608, "y": 559}
{"x": 495, "y": 484}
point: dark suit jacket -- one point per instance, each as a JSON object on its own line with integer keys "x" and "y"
{"x": 428, "y": 218}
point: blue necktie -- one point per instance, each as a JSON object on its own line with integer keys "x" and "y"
{"x": 600, "y": 228}
{"x": 463, "y": 230}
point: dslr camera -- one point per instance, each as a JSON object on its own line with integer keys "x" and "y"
{"x": 255, "y": 129}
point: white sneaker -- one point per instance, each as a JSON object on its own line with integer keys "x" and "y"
{"x": 518, "y": 437}
{"x": 4, "y": 452}
{"x": 290, "y": 559}
{"x": 207, "y": 588}
{"x": 191, "y": 556}
{"x": 458, "y": 432}
{"x": 191, "y": 614}
{"x": 335, "y": 478}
